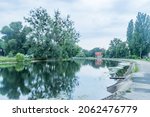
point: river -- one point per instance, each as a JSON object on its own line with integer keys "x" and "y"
{"x": 65, "y": 80}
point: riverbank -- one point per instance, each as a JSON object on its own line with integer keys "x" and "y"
{"x": 7, "y": 59}
{"x": 136, "y": 85}
{"x": 11, "y": 61}
{"x": 122, "y": 85}
{"x": 6, "y": 62}
{"x": 140, "y": 88}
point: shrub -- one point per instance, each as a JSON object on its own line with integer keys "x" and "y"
{"x": 135, "y": 69}
{"x": 134, "y": 57}
{"x": 20, "y": 57}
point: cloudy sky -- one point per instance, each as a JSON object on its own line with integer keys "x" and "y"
{"x": 98, "y": 21}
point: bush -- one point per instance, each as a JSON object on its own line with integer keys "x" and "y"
{"x": 20, "y": 57}
{"x": 134, "y": 57}
{"x": 135, "y": 69}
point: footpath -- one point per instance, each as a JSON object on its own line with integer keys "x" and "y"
{"x": 140, "y": 85}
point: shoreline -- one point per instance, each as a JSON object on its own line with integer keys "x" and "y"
{"x": 122, "y": 86}
{"x": 137, "y": 83}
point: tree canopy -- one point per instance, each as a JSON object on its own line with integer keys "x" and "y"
{"x": 14, "y": 38}
{"x": 117, "y": 49}
{"x": 52, "y": 37}
{"x": 138, "y": 35}
{"x": 45, "y": 37}
{"x": 138, "y": 40}
{"x": 56, "y": 37}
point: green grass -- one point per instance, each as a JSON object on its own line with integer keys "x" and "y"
{"x": 11, "y": 59}
{"x": 135, "y": 69}
{"x": 7, "y": 59}
{"x": 6, "y": 62}
{"x": 148, "y": 59}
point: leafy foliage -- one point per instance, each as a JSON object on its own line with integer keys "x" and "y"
{"x": 52, "y": 37}
{"x": 117, "y": 49}
{"x": 19, "y": 57}
{"x": 138, "y": 35}
{"x": 138, "y": 40}
{"x": 45, "y": 37}
{"x": 14, "y": 38}
{"x": 130, "y": 39}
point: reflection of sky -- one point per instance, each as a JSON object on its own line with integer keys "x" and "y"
{"x": 1, "y": 79}
{"x": 93, "y": 83}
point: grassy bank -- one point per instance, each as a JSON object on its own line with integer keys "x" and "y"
{"x": 6, "y": 62}
{"x": 8, "y": 59}
{"x": 12, "y": 60}
{"x": 148, "y": 59}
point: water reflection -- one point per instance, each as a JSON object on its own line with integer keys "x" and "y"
{"x": 45, "y": 80}
{"x": 39, "y": 80}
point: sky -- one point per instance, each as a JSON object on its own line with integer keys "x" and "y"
{"x": 98, "y": 21}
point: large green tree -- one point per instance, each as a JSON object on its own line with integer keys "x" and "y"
{"x": 2, "y": 44}
{"x": 14, "y": 38}
{"x": 117, "y": 49}
{"x": 142, "y": 35}
{"x": 130, "y": 39}
{"x": 138, "y": 35}
{"x": 52, "y": 37}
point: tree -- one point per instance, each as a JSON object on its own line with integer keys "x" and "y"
{"x": 52, "y": 37}
{"x": 142, "y": 35}
{"x": 130, "y": 41}
{"x": 14, "y": 38}
{"x": 138, "y": 35}
{"x": 2, "y": 44}
{"x": 117, "y": 49}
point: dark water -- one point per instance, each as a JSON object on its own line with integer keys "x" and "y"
{"x": 81, "y": 79}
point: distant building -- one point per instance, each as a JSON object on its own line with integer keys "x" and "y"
{"x": 1, "y": 52}
{"x": 98, "y": 54}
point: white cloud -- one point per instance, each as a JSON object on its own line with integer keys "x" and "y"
{"x": 98, "y": 21}
{"x": 90, "y": 43}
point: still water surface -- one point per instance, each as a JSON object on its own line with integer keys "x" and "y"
{"x": 71, "y": 80}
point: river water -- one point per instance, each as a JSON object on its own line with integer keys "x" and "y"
{"x": 71, "y": 80}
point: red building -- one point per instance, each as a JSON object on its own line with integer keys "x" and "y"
{"x": 98, "y": 54}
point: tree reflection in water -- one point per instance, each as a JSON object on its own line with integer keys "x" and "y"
{"x": 40, "y": 80}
